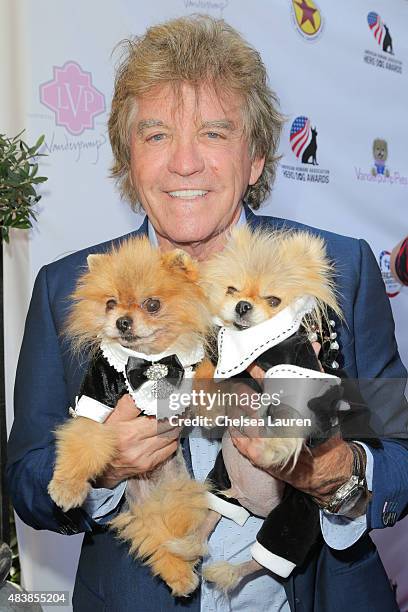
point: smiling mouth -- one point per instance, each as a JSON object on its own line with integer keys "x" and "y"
{"x": 188, "y": 194}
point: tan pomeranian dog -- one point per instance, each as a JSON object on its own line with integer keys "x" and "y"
{"x": 143, "y": 317}
{"x": 270, "y": 291}
{"x": 259, "y": 274}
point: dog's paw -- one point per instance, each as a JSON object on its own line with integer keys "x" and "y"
{"x": 185, "y": 583}
{"x": 68, "y": 494}
{"x": 224, "y": 575}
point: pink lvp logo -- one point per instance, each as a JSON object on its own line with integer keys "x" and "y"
{"x": 73, "y": 98}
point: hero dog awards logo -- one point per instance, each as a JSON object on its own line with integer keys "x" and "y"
{"x": 303, "y": 142}
{"x": 382, "y": 36}
{"x": 75, "y": 102}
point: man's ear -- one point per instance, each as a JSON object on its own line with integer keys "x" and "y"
{"x": 257, "y": 165}
{"x": 178, "y": 259}
{"x": 92, "y": 261}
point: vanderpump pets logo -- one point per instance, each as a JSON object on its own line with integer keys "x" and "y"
{"x": 380, "y": 171}
{"x": 307, "y": 19}
{"x": 75, "y": 102}
{"x": 304, "y": 144}
{"x": 392, "y": 286}
{"x": 382, "y": 36}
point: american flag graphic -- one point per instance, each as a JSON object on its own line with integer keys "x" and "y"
{"x": 376, "y": 26}
{"x": 299, "y": 134}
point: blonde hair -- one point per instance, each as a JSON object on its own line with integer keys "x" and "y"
{"x": 199, "y": 50}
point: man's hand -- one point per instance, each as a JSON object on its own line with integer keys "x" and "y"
{"x": 140, "y": 448}
{"x": 319, "y": 472}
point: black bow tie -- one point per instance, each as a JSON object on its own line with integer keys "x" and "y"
{"x": 139, "y": 370}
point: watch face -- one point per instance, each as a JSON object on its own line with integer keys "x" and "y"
{"x": 350, "y": 500}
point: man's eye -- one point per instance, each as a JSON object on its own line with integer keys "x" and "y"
{"x": 231, "y": 290}
{"x": 273, "y": 301}
{"x": 110, "y": 304}
{"x": 151, "y": 305}
{"x": 214, "y": 135}
{"x": 156, "y": 138}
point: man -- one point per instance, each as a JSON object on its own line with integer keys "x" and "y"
{"x": 194, "y": 131}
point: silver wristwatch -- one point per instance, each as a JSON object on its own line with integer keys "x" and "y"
{"x": 351, "y": 492}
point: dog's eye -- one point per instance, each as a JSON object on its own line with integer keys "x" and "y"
{"x": 273, "y": 301}
{"x": 151, "y": 305}
{"x": 110, "y": 304}
{"x": 231, "y": 290}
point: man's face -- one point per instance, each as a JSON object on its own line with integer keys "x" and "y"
{"x": 190, "y": 162}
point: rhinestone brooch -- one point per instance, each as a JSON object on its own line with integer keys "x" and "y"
{"x": 156, "y": 371}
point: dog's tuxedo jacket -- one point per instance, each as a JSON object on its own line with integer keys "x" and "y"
{"x": 113, "y": 373}
{"x": 48, "y": 380}
{"x": 102, "y": 384}
{"x": 292, "y": 528}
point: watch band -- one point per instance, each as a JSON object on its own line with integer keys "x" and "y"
{"x": 352, "y": 497}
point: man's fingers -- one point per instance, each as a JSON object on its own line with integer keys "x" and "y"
{"x": 125, "y": 410}
{"x": 164, "y": 453}
{"x": 256, "y": 372}
{"x": 147, "y": 427}
{"x": 239, "y": 439}
{"x": 149, "y": 460}
{"x": 162, "y": 439}
{"x": 317, "y": 347}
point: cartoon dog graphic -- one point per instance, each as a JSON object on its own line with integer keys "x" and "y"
{"x": 380, "y": 154}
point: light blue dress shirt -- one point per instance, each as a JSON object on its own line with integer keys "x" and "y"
{"x": 231, "y": 542}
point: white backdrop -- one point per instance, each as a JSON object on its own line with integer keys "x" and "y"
{"x": 332, "y": 71}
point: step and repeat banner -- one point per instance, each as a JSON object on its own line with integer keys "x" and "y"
{"x": 341, "y": 73}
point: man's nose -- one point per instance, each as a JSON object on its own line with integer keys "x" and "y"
{"x": 185, "y": 158}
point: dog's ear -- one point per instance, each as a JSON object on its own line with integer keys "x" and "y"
{"x": 179, "y": 260}
{"x": 92, "y": 260}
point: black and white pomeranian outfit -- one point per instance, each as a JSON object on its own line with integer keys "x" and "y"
{"x": 115, "y": 370}
{"x": 283, "y": 350}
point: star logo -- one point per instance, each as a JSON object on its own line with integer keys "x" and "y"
{"x": 307, "y": 18}
{"x": 73, "y": 98}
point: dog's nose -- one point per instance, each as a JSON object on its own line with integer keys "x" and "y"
{"x": 124, "y": 324}
{"x": 243, "y": 307}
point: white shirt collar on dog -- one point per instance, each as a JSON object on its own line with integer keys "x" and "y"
{"x": 237, "y": 349}
{"x": 118, "y": 355}
{"x": 145, "y": 396}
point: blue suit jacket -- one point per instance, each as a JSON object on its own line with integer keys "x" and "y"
{"x": 48, "y": 378}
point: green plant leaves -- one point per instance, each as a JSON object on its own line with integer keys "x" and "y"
{"x": 18, "y": 177}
